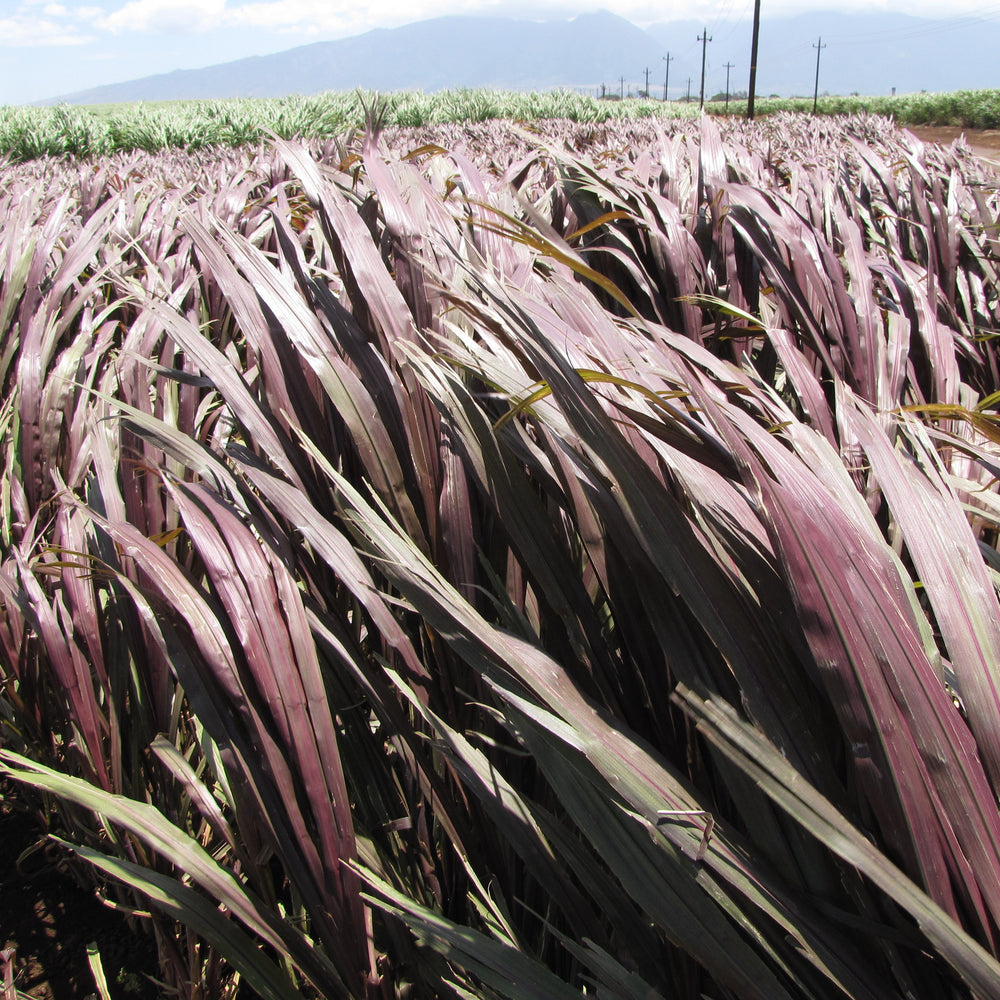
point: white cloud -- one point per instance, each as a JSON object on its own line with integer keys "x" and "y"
{"x": 51, "y": 22}
{"x": 332, "y": 18}
{"x": 313, "y": 16}
{"x": 284, "y": 14}
{"x": 168, "y": 16}
{"x": 21, "y": 30}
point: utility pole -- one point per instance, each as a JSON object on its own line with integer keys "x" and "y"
{"x": 819, "y": 46}
{"x": 621, "y": 89}
{"x": 688, "y": 98}
{"x": 647, "y": 81}
{"x": 666, "y": 77}
{"x": 753, "y": 59}
{"x": 729, "y": 66}
{"x": 704, "y": 39}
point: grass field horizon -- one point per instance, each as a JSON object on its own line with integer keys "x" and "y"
{"x": 28, "y": 132}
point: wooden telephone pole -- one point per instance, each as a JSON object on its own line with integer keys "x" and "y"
{"x": 819, "y": 46}
{"x": 666, "y": 76}
{"x": 753, "y": 59}
{"x": 704, "y": 39}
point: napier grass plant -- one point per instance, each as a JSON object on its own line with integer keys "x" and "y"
{"x": 491, "y": 563}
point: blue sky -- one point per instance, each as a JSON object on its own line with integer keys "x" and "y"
{"x": 49, "y": 48}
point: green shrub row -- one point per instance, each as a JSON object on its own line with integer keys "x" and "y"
{"x": 27, "y": 133}
{"x": 960, "y": 108}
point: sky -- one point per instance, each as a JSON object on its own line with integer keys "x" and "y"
{"x": 50, "y": 48}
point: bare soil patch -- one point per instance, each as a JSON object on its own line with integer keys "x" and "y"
{"x": 985, "y": 143}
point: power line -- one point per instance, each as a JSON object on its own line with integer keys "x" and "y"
{"x": 931, "y": 26}
{"x": 723, "y": 11}
{"x": 734, "y": 25}
{"x": 882, "y": 36}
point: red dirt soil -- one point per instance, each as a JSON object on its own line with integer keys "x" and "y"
{"x": 985, "y": 143}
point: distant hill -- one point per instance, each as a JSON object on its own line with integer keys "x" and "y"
{"x": 863, "y": 53}
{"x": 445, "y": 52}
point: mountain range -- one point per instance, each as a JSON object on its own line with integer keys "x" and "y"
{"x": 859, "y": 53}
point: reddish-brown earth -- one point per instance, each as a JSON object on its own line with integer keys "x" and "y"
{"x": 985, "y": 143}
